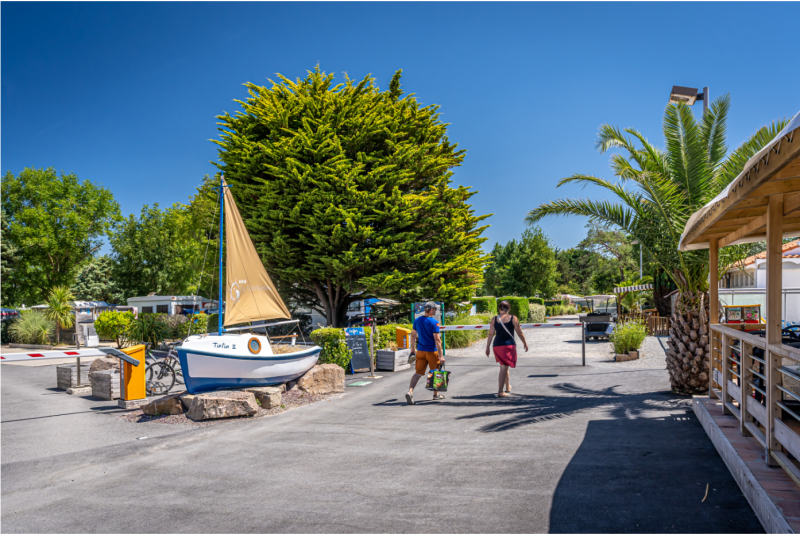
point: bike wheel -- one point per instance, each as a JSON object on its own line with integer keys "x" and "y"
{"x": 159, "y": 378}
{"x": 176, "y": 365}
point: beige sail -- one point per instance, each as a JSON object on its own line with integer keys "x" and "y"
{"x": 250, "y": 294}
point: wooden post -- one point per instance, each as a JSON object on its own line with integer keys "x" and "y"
{"x": 713, "y": 305}
{"x": 774, "y": 317}
{"x": 745, "y": 350}
{"x": 726, "y": 373}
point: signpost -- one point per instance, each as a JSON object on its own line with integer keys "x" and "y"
{"x": 356, "y": 341}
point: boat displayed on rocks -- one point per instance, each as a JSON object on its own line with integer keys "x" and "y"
{"x": 238, "y": 359}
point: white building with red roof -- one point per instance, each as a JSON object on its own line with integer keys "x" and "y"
{"x": 753, "y": 273}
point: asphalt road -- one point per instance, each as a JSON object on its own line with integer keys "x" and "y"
{"x": 576, "y": 449}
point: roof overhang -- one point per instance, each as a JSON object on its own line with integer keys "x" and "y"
{"x": 739, "y": 213}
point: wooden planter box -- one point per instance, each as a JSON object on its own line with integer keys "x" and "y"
{"x": 67, "y": 375}
{"x": 105, "y": 384}
{"x": 392, "y": 361}
{"x": 633, "y": 355}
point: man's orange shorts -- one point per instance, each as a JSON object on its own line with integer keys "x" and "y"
{"x": 425, "y": 359}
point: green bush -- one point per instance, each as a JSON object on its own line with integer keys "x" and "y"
{"x": 198, "y": 324}
{"x": 536, "y": 300}
{"x": 565, "y": 301}
{"x": 334, "y": 348}
{"x": 457, "y": 339}
{"x": 519, "y": 306}
{"x": 5, "y": 337}
{"x": 628, "y": 336}
{"x": 149, "y": 328}
{"x": 113, "y": 325}
{"x": 32, "y": 327}
{"x": 485, "y": 305}
{"x": 213, "y": 322}
{"x": 536, "y": 313}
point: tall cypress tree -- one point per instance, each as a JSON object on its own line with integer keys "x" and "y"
{"x": 346, "y": 191}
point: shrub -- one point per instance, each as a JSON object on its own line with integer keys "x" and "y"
{"x": 457, "y": 339}
{"x": 213, "y": 322}
{"x": 485, "y": 305}
{"x": 536, "y": 300}
{"x": 519, "y": 306}
{"x": 148, "y": 328}
{"x": 565, "y": 301}
{"x": 334, "y": 348}
{"x": 536, "y": 313}
{"x": 32, "y": 327}
{"x": 198, "y": 324}
{"x": 113, "y": 325}
{"x": 628, "y": 336}
{"x": 5, "y": 337}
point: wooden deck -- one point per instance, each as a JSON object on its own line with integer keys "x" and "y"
{"x": 774, "y": 496}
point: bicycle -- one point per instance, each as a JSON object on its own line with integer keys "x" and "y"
{"x": 163, "y": 370}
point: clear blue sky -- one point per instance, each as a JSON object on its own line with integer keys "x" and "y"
{"x": 126, "y": 94}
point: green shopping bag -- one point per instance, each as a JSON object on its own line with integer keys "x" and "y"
{"x": 438, "y": 380}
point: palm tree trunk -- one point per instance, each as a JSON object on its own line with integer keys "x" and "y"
{"x": 687, "y": 360}
{"x": 58, "y": 333}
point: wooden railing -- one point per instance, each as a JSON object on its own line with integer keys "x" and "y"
{"x": 656, "y": 325}
{"x": 754, "y": 381}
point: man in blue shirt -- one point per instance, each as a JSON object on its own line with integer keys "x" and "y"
{"x": 426, "y": 344}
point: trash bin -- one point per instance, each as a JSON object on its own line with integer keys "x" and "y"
{"x": 403, "y": 338}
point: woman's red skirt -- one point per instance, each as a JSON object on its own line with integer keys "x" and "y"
{"x": 506, "y": 355}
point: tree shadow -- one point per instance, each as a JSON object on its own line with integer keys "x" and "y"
{"x": 521, "y": 410}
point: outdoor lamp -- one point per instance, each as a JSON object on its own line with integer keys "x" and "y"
{"x": 689, "y": 95}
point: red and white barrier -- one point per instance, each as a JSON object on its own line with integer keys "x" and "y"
{"x": 521, "y": 325}
{"x": 45, "y": 355}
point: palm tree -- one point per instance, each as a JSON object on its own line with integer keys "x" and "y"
{"x": 59, "y": 309}
{"x": 667, "y": 187}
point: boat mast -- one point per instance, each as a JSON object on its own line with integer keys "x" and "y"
{"x": 221, "y": 223}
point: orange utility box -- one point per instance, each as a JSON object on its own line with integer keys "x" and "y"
{"x": 403, "y": 338}
{"x": 131, "y": 381}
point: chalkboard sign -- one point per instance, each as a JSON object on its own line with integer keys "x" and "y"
{"x": 357, "y": 344}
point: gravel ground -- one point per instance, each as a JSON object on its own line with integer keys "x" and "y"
{"x": 566, "y": 342}
{"x": 289, "y": 400}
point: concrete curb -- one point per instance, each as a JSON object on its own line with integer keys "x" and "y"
{"x": 771, "y": 519}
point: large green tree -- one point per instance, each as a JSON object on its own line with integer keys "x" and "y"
{"x": 152, "y": 254}
{"x": 56, "y": 223}
{"x": 656, "y": 191}
{"x": 525, "y": 268}
{"x": 346, "y": 191}
{"x": 95, "y": 282}
{"x": 9, "y": 262}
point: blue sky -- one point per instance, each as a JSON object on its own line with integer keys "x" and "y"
{"x": 126, "y": 94}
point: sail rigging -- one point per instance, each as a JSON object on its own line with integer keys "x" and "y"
{"x": 250, "y": 293}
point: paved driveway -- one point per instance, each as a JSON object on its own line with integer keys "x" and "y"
{"x": 576, "y": 449}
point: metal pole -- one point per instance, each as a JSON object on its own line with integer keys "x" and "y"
{"x": 706, "y": 98}
{"x": 372, "y": 349}
{"x": 583, "y": 344}
{"x": 221, "y": 224}
{"x": 640, "y": 260}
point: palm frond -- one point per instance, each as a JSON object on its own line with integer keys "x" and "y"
{"x": 713, "y": 131}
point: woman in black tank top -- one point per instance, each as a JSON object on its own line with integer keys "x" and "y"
{"x": 505, "y": 348}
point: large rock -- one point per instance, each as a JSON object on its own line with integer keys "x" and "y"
{"x": 268, "y": 396}
{"x": 104, "y": 363}
{"x": 186, "y": 400}
{"x": 166, "y": 405}
{"x": 323, "y": 379}
{"x": 222, "y": 405}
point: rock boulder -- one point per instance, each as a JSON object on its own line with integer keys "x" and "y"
{"x": 223, "y": 404}
{"x": 268, "y": 396}
{"x": 323, "y": 379}
{"x": 166, "y": 405}
{"x": 104, "y": 363}
{"x": 186, "y": 400}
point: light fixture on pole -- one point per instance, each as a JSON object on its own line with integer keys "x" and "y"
{"x": 636, "y": 242}
{"x": 689, "y": 95}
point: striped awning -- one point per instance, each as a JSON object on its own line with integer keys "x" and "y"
{"x": 639, "y": 288}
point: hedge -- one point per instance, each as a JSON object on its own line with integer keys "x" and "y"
{"x": 334, "y": 348}
{"x": 536, "y": 313}
{"x": 485, "y": 305}
{"x": 519, "y": 306}
{"x": 536, "y": 300}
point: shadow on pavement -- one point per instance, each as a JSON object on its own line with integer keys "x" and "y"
{"x": 649, "y": 475}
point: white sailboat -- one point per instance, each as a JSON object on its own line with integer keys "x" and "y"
{"x": 235, "y": 360}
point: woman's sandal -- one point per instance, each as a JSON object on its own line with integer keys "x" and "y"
{"x": 438, "y": 397}
{"x": 508, "y": 390}
{"x": 503, "y": 395}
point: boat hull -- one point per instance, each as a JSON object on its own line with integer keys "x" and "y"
{"x": 207, "y": 368}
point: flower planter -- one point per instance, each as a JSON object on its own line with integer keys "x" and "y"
{"x": 392, "y": 361}
{"x": 634, "y": 354}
